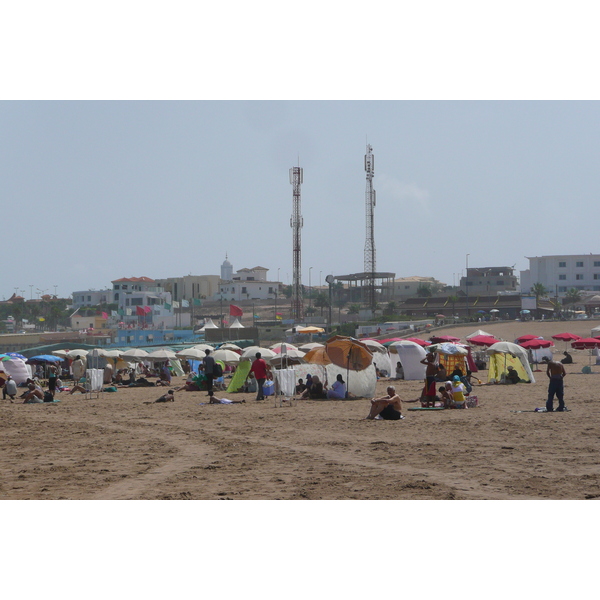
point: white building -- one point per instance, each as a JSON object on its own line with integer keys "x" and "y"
{"x": 245, "y": 284}
{"x": 91, "y": 298}
{"x": 190, "y": 287}
{"x": 562, "y": 272}
{"x": 489, "y": 280}
{"x": 408, "y": 287}
{"x": 143, "y": 293}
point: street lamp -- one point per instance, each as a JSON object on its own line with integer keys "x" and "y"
{"x": 309, "y": 288}
{"x": 467, "y": 284}
{"x": 320, "y": 281}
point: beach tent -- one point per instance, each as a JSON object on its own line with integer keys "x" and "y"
{"x": 505, "y": 354}
{"x": 410, "y": 354}
{"x": 209, "y": 325}
{"x": 478, "y": 332}
{"x": 16, "y": 368}
{"x": 236, "y": 324}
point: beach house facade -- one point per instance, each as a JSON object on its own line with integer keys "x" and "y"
{"x": 560, "y": 273}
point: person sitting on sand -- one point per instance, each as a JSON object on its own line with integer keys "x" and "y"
{"x": 215, "y": 400}
{"x": 399, "y": 371}
{"x": 512, "y": 376}
{"x": 388, "y": 407}
{"x": 80, "y": 386}
{"x": 35, "y": 395}
{"x": 458, "y": 393}
{"x": 300, "y": 387}
{"x": 445, "y": 395}
{"x": 568, "y": 359}
{"x": 9, "y": 389}
{"x": 316, "y": 390}
{"x": 441, "y": 375}
{"x": 338, "y": 389}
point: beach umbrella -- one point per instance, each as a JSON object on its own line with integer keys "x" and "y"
{"x": 310, "y": 346}
{"x": 113, "y": 353}
{"x": 483, "y": 340}
{"x": 374, "y": 345}
{"x": 418, "y": 341}
{"x": 250, "y": 352}
{"x": 135, "y": 354}
{"x": 191, "y": 353}
{"x": 310, "y": 329}
{"x": 277, "y": 347}
{"x": 440, "y": 316}
{"x": 73, "y": 354}
{"x": 586, "y": 344}
{"x": 526, "y": 338}
{"x": 161, "y": 355}
{"x": 204, "y": 347}
{"x": 317, "y": 356}
{"x": 481, "y": 312}
{"x": 17, "y": 355}
{"x": 229, "y": 346}
{"x": 388, "y": 341}
{"x": 536, "y": 344}
{"x": 566, "y": 337}
{"x": 494, "y": 310}
{"x": 348, "y": 353}
{"x": 227, "y": 356}
{"x": 525, "y": 312}
{"x": 448, "y": 348}
{"x": 61, "y": 353}
{"x": 443, "y": 338}
{"x": 48, "y": 358}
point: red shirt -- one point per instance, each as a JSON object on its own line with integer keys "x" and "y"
{"x": 259, "y": 368}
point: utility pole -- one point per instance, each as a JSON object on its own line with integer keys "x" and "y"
{"x": 296, "y": 223}
{"x": 370, "y": 257}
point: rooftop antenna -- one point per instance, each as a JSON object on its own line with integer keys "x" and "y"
{"x": 296, "y": 223}
{"x": 370, "y": 257}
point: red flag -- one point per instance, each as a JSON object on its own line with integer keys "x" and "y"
{"x": 147, "y": 310}
{"x": 105, "y": 315}
{"x": 235, "y": 311}
{"x": 139, "y": 311}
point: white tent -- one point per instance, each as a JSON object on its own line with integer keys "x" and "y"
{"x": 17, "y": 369}
{"x": 505, "y": 354}
{"x": 410, "y": 354}
{"x": 209, "y": 325}
{"x": 479, "y": 332}
{"x": 236, "y": 324}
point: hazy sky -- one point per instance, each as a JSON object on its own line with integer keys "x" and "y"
{"x": 102, "y": 190}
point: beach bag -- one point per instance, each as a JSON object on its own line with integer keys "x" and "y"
{"x": 217, "y": 371}
{"x": 48, "y": 397}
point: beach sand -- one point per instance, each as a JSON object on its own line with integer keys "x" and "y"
{"x": 117, "y": 447}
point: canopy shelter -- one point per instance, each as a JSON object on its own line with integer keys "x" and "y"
{"x": 505, "y": 354}
{"x": 478, "y": 332}
{"x": 16, "y": 368}
{"x": 454, "y": 356}
{"x": 419, "y": 341}
{"x": 440, "y": 339}
{"x": 410, "y": 354}
{"x": 586, "y": 344}
{"x": 236, "y": 324}
{"x": 526, "y": 338}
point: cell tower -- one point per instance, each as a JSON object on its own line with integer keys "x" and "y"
{"x": 370, "y": 258}
{"x": 296, "y": 223}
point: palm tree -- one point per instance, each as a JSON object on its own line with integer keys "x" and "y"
{"x": 540, "y": 291}
{"x": 340, "y": 303}
{"x": 354, "y": 309}
{"x": 454, "y": 300}
{"x": 424, "y": 290}
{"x": 321, "y": 301}
{"x": 572, "y": 296}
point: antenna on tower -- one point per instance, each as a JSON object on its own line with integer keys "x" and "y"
{"x": 370, "y": 257}
{"x": 296, "y": 223}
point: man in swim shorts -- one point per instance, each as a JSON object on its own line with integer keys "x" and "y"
{"x": 388, "y": 408}
{"x": 556, "y": 373}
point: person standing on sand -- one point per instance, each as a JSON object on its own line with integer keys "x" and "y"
{"x": 430, "y": 375}
{"x": 259, "y": 368}
{"x": 388, "y": 407}
{"x": 78, "y": 368}
{"x": 556, "y": 373}
{"x": 209, "y": 368}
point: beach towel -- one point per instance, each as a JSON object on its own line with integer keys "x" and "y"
{"x": 237, "y": 381}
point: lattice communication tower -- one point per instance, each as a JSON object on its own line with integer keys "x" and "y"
{"x": 370, "y": 257}
{"x": 296, "y": 223}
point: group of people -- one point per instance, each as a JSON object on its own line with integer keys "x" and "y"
{"x": 454, "y": 392}
{"x": 315, "y": 389}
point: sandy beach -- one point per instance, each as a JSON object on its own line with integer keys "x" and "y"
{"x": 117, "y": 447}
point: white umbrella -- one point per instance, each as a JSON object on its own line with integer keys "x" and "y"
{"x": 227, "y": 356}
{"x": 277, "y": 347}
{"x": 252, "y": 350}
{"x": 161, "y": 354}
{"x": 374, "y": 345}
{"x": 229, "y": 346}
{"x": 204, "y": 347}
{"x": 75, "y": 353}
{"x": 60, "y": 353}
{"x": 193, "y": 353}
{"x": 135, "y": 354}
{"x": 113, "y": 353}
{"x": 96, "y": 352}
{"x": 310, "y": 346}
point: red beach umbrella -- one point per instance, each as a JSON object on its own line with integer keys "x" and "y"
{"x": 585, "y": 343}
{"x": 483, "y": 340}
{"x": 526, "y": 338}
{"x": 566, "y": 337}
{"x": 419, "y": 341}
{"x": 536, "y": 344}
